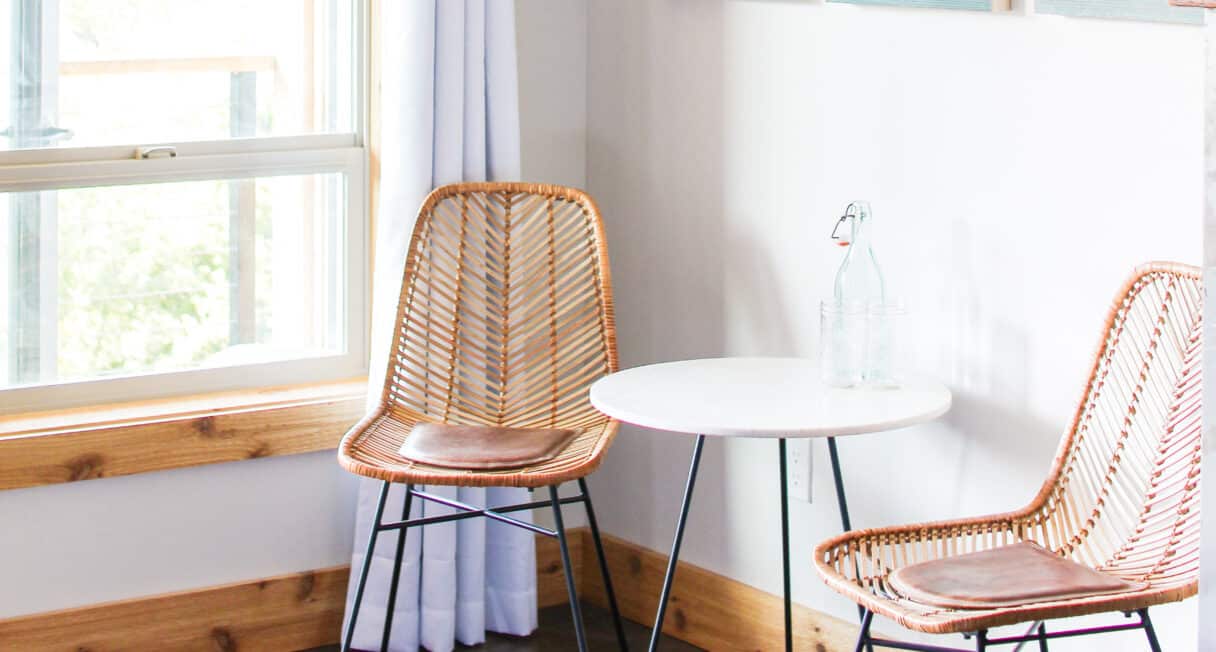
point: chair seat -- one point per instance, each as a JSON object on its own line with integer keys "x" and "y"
{"x": 374, "y": 448}
{"x": 862, "y": 565}
{"x": 1006, "y": 576}
{"x": 483, "y": 447}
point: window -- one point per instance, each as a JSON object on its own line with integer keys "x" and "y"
{"x": 182, "y": 197}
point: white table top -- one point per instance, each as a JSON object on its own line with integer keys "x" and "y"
{"x": 760, "y": 397}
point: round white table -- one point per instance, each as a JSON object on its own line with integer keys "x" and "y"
{"x": 777, "y": 398}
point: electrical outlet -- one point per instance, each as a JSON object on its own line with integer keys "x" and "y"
{"x": 798, "y": 468}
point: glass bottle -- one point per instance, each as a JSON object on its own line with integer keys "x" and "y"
{"x": 854, "y": 351}
{"x": 859, "y": 278}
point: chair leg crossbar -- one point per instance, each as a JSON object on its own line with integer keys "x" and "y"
{"x": 498, "y": 514}
{"x": 1037, "y": 634}
{"x": 469, "y": 511}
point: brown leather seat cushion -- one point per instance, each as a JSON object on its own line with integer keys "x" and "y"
{"x": 1009, "y": 576}
{"x": 483, "y": 447}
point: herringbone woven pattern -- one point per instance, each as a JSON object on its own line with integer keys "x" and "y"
{"x": 1123, "y": 495}
{"x": 505, "y": 319}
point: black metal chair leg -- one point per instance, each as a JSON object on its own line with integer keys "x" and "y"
{"x": 575, "y": 608}
{"x": 981, "y": 640}
{"x": 674, "y": 559}
{"x": 367, "y": 564}
{"x": 599, "y": 552}
{"x": 1149, "y": 631}
{"x": 392, "y": 587}
{"x": 863, "y": 637}
{"x": 1042, "y": 637}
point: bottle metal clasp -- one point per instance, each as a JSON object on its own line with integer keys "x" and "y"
{"x": 844, "y": 242}
{"x": 853, "y": 211}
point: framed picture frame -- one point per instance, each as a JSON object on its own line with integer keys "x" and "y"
{"x": 1144, "y": 10}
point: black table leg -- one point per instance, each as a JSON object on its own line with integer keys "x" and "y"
{"x": 844, "y": 505}
{"x": 785, "y": 547}
{"x": 845, "y": 523}
{"x": 675, "y": 545}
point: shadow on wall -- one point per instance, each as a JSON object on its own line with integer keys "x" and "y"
{"x": 761, "y": 323}
{"x": 984, "y": 351}
{"x": 661, "y": 195}
{"x": 997, "y": 437}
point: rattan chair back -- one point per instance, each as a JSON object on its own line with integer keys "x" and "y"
{"x": 505, "y": 314}
{"x": 1124, "y": 492}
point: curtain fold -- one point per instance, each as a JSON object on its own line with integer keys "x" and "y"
{"x": 450, "y": 113}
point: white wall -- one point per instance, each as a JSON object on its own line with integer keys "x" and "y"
{"x": 75, "y": 544}
{"x": 1019, "y": 167}
{"x": 552, "y": 39}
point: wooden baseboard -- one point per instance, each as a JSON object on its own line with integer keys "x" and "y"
{"x": 708, "y": 610}
{"x": 289, "y": 612}
{"x": 304, "y": 610}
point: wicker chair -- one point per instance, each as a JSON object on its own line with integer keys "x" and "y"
{"x": 1122, "y": 497}
{"x": 505, "y": 319}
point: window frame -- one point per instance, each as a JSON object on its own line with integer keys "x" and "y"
{"x": 237, "y": 158}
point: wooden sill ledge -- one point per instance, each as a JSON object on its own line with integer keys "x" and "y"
{"x": 126, "y": 438}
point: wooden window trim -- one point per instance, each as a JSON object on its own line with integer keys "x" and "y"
{"x": 126, "y": 438}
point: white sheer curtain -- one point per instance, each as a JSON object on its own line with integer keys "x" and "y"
{"x": 450, "y": 113}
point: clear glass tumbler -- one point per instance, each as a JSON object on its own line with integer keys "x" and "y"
{"x": 842, "y": 342}
{"x": 887, "y": 345}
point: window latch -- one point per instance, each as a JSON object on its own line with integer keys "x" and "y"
{"x": 157, "y": 151}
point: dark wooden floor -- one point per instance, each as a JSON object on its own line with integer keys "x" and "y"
{"x": 556, "y": 633}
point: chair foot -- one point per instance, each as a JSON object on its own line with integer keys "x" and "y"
{"x": 367, "y": 564}
{"x": 575, "y": 608}
{"x": 604, "y": 572}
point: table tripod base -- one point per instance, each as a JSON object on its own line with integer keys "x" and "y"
{"x": 783, "y": 474}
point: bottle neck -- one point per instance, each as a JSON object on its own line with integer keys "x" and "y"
{"x": 859, "y": 277}
{"x": 860, "y": 239}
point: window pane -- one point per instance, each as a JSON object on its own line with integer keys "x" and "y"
{"x": 85, "y": 73}
{"x": 137, "y": 279}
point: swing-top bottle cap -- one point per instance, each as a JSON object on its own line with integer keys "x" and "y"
{"x": 855, "y": 210}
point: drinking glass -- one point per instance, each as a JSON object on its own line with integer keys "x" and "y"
{"x": 842, "y": 342}
{"x": 887, "y": 343}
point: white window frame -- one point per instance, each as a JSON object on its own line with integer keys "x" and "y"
{"x": 346, "y": 153}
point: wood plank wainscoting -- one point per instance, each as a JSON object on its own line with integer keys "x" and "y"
{"x": 304, "y": 610}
